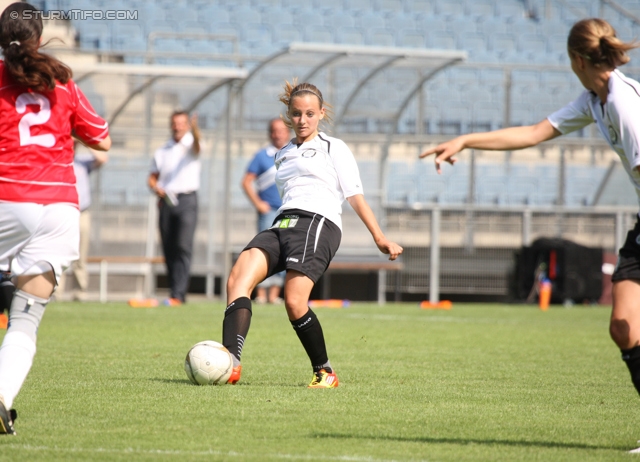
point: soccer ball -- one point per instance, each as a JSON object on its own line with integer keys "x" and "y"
{"x": 208, "y": 363}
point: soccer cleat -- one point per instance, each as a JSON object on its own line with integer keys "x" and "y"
{"x": 235, "y": 375}
{"x": 6, "y": 420}
{"x": 324, "y": 379}
{"x": 143, "y": 302}
{"x": 171, "y": 302}
{"x": 636, "y": 450}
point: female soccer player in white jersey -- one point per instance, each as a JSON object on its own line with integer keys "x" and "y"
{"x": 612, "y": 102}
{"x": 40, "y": 109}
{"x": 315, "y": 173}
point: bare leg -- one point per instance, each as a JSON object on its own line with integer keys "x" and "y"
{"x": 250, "y": 268}
{"x": 297, "y": 290}
{"x": 40, "y": 285}
{"x": 625, "y": 316}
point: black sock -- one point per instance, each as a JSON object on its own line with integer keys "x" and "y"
{"x": 237, "y": 319}
{"x": 632, "y": 358}
{"x": 310, "y": 334}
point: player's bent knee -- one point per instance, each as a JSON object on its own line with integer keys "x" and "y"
{"x": 619, "y": 332}
{"x": 26, "y": 313}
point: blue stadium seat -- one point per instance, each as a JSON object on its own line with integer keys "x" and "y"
{"x": 371, "y": 20}
{"x": 491, "y": 189}
{"x": 349, "y": 36}
{"x": 411, "y": 38}
{"x": 521, "y": 190}
{"x": 450, "y": 7}
{"x": 282, "y": 36}
{"x": 457, "y": 189}
{"x": 400, "y": 20}
{"x": 400, "y": 184}
{"x": 244, "y": 14}
{"x": 480, "y": 8}
{"x": 319, "y": 34}
{"x": 277, "y": 16}
{"x": 338, "y": 18}
{"x": 380, "y": 37}
{"x": 442, "y": 40}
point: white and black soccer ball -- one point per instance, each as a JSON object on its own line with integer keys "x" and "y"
{"x": 208, "y": 363}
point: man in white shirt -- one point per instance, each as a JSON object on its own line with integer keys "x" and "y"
{"x": 175, "y": 179}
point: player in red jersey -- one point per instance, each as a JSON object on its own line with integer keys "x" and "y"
{"x": 41, "y": 111}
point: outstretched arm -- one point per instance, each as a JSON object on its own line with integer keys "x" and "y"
{"x": 506, "y": 139}
{"x": 365, "y": 213}
{"x": 247, "y": 185}
{"x": 195, "y": 130}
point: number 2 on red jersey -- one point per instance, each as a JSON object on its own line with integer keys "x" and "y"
{"x": 30, "y": 119}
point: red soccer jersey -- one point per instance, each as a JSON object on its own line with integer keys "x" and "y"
{"x": 36, "y": 148}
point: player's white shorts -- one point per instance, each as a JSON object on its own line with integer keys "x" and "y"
{"x": 34, "y": 233}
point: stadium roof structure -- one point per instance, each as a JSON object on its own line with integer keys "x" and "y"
{"x": 314, "y": 58}
{"x": 221, "y": 76}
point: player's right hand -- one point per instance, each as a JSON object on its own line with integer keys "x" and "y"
{"x": 444, "y": 152}
{"x": 159, "y": 192}
{"x": 263, "y": 207}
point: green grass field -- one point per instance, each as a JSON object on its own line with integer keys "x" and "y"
{"x": 479, "y": 382}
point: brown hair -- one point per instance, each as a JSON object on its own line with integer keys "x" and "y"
{"x": 595, "y": 40}
{"x": 179, "y": 112}
{"x": 291, "y": 90}
{"x": 20, "y": 32}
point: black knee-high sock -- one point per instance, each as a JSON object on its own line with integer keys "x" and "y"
{"x": 632, "y": 358}
{"x": 237, "y": 319}
{"x": 310, "y": 334}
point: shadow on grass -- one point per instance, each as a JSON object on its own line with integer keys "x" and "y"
{"x": 465, "y": 441}
{"x": 180, "y": 381}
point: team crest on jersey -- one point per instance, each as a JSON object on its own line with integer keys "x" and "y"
{"x": 613, "y": 136}
{"x": 638, "y": 239}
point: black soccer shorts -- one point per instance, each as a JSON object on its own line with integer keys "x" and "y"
{"x": 301, "y": 241}
{"x": 628, "y": 265}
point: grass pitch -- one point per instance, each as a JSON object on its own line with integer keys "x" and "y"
{"x": 479, "y": 382}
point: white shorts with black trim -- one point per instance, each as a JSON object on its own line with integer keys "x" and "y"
{"x": 301, "y": 241}
{"x": 33, "y": 234}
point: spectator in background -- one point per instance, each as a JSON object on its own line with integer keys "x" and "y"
{"x": 83, "y": 165}
{"x": 175, "y": 179}
{"x": 259, "y": 183}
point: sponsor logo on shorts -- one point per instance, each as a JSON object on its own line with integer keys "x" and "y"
{"x": 638, "y": 239}
{"x": 289, "y": 221}
{"x": 295, "y": 260}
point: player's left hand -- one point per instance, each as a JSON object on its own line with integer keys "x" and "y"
{"x": 390, "y": 248}
{"x": 444, "y": 152}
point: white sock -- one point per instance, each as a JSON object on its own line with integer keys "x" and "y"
{"x": 16, "y": 357}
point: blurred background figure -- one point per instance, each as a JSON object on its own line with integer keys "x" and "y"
{"x": 175, "y": 179}
{"x": 83, "y": 164}
{"x": 259, "y": 183}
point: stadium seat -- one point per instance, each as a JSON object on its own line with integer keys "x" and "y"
{"x": 480, "y": 8}
{"x": 380, "y": 37}
{"x": 244, "y": 14}
{"x": 349, "y": 36}
{"x": 410, "y": 38}
{"x": 521, "y": 190}
{"x": 449, "y": 7}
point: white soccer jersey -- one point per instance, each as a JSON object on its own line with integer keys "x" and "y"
{"x": 618, "y": 120}
{"x": 317, "y": 176}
